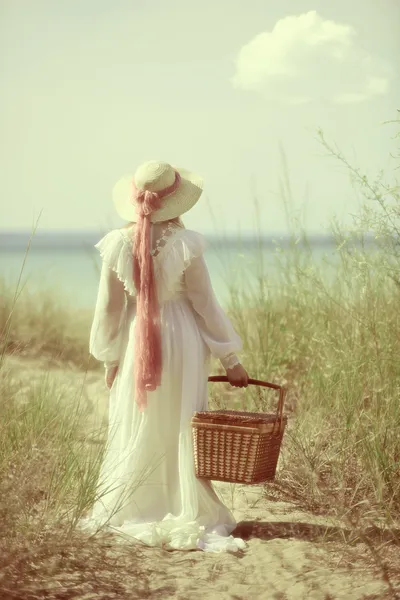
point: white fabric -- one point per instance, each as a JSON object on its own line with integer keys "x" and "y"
{"x": 151, "y": 453}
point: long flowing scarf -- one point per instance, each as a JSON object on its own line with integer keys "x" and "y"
{"x": 148, "y": 356}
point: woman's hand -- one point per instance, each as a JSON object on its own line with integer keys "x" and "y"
{"x": 110, "y": 376}
{"x": 238, "y": 376}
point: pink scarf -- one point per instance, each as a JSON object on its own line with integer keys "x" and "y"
{"x": 148, "y": 358}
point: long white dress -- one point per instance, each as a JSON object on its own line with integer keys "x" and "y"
{"x": 147, "y": 489}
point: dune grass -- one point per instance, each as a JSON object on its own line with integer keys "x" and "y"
{"x": 42, "y": 324}
{"x": 335, "y": 348}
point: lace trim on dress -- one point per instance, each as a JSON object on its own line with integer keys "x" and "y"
{"x": 162, "y": 240}
{"x": 230, "y": 361}
{"x": 181, "y": 251}
{"x": 109, "y": 364}
{"x": 116, "y": 252}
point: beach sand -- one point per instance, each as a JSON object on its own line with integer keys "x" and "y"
{"x": 286, "y": 556}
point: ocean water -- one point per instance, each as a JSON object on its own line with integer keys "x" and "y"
{"x": 71, "y": 266}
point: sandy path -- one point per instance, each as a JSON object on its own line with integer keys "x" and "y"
{"x": 285, "y": 560}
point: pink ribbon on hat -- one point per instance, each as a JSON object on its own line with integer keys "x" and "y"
{"x": 149, "y": 201}
{"x": 148, "y": 357}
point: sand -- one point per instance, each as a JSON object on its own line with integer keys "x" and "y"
{"x": 286, "y": 558}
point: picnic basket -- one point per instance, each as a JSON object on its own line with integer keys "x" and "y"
{"x": 238, "y": 446}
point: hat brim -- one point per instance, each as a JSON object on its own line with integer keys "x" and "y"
{"x": 174, "y": 205}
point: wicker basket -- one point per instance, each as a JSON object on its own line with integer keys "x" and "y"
{"x": 238, "y": 446}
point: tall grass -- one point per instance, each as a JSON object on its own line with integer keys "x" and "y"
{"x": 49, "y": 465}
{"x": 335, "y": 347}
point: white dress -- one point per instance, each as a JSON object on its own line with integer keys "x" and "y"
{"x": 147, "y": 488}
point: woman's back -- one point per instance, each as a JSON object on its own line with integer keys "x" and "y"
{"x": 180, "y": 273}
{"x": 159, "y": 233}
{"x": 173, "y": 248}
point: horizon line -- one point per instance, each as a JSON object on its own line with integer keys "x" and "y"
{"x": 71, "y": 232}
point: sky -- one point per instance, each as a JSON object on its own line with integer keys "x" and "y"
{"x": 232, "y": 90}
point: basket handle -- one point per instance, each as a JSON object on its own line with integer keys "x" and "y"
{"x": 275, "y": 386}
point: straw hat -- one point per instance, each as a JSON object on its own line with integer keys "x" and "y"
{"x": 156, "y": 176}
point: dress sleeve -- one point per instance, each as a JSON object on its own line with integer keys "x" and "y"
{"x": 109, "y": 318}
{"x": 215, "y": 326}
{"x": 111, "y": 306}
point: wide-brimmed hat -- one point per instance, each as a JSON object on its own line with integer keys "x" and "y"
{"x": 157, "y": 176}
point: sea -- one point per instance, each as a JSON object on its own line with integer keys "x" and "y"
{"x": 67, "y": 262}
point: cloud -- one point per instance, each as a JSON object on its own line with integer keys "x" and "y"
{"x": 307, "y": 58}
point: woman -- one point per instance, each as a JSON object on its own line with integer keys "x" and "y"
{"x": 155, "y": 326}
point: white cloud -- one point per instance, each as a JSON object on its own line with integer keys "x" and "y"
{"x": 306, "y": 58}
